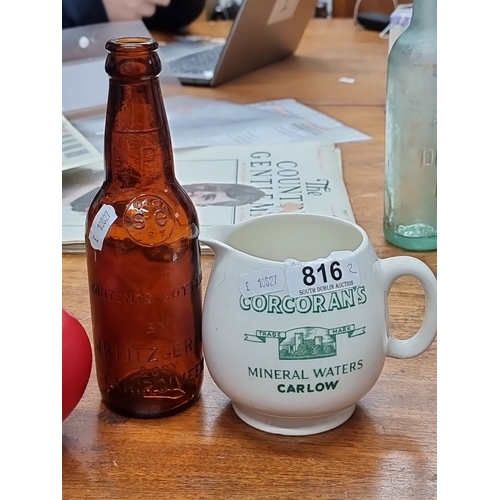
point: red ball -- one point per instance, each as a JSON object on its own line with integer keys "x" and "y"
{"x": 76, "y": 362}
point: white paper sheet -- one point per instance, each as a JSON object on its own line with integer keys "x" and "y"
{"x": 198, "y": 122}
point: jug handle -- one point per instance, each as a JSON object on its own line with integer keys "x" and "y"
{"x": 393, "y": 268}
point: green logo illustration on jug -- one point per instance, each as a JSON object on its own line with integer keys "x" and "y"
{"x": 307, "y": 342}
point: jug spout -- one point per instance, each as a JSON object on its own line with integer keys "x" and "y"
{"x": 215, "y": 237}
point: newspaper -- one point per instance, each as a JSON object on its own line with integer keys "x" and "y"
{"x": 230, "y": 184}
{"x": 200, "y": 122}
{"x": 76, "y": 149}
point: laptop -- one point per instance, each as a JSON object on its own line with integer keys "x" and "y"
{"x": 262, "y": 33}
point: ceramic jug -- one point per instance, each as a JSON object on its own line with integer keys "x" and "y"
{"x": 295, "y": 319}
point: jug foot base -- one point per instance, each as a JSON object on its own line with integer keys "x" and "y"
{"x": 293, "y": 426}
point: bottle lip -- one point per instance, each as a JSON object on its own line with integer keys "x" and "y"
{"x": 126, "y": 44}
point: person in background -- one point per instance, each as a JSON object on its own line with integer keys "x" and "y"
{"x": 158, "y": 15}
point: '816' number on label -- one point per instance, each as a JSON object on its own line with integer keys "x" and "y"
{"x": 338, "y": 271}
{"x": 309, "y": 278}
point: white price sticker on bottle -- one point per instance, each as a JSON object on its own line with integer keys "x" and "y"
{"x": 100, "y": 226}
{"x": 339, "y": 271}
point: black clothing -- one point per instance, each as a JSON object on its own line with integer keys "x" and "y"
{"x": 174, "y": 17}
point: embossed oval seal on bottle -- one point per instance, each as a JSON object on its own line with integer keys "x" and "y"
{"x": 149, "y": 220}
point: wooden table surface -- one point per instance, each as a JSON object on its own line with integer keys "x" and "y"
{"x": 386, "y": 450}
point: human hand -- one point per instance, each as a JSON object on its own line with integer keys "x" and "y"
{"x": 131, "y": 10}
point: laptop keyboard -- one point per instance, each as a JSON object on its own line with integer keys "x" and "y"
{"x": 197, "y": 63}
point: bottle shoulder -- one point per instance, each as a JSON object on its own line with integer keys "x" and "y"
{"x": 171, "y": 193}
{"x": 413, "y": 47}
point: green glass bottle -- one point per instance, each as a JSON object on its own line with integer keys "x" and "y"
{"x": 410, "y": 218}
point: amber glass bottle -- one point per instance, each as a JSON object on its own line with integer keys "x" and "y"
{"x": 143, "y": 254}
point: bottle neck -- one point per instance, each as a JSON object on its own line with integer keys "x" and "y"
{"x": 424, "y": 15}
{"x": 138, "y": 149}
